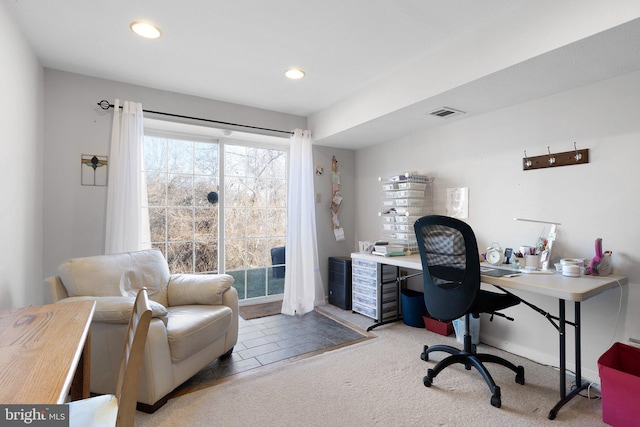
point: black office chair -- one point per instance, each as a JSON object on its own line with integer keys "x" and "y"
{"x": 451, "y": 280}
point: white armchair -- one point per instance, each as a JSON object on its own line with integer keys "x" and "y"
{"x": 195, "y": 318}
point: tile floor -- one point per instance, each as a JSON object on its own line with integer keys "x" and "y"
{"x": 271, "y": 339}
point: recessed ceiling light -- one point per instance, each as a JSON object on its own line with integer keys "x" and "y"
{"x": 294, "y": 73}
{"x": 145, "y": 29}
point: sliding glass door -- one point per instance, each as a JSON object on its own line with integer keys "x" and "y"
{"x": 255, "y": 212}
{"x": 218, "y": 205}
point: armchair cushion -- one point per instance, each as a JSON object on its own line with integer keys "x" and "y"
{"x": 207, "y": 289}
{"x": 118, "y": 309}
{"x": 117, "y": 275}
{"x": 193, "y": 327}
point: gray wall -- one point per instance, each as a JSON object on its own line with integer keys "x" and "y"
{"x": 600, "y": 199}
{"x": 327, "y": 244}
{"x": 21, "y": 146}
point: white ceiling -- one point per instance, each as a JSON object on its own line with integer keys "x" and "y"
{"x": 237, "y": 51}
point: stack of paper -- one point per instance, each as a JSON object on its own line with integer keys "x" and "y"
{"x": 389, "y": 250}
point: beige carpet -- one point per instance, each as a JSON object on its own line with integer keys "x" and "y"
{"x": 376, "y": 382}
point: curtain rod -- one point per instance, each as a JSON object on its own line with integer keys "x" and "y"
{"x": 105, "y": 105}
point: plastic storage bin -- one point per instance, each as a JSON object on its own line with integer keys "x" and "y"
{"x": 474, "y": 325}
{"x": 619, "y": 369}
{"x": 433, "y": 325}
{"x": 413, "y": 308}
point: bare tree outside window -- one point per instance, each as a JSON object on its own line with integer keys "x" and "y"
{"x": 252, "y": 210}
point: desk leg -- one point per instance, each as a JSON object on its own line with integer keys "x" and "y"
{"x": 563, "y": 349}
{"x": 80, "y": 386}
{"x": 578, "y": 347}
{"x": 579, "y": 386}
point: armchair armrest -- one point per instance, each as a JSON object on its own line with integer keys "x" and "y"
{"x": 117, "y": 309}
{"x": 205, "y": 289}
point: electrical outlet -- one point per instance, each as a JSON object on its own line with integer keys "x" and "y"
{"x": 318, "y": 198}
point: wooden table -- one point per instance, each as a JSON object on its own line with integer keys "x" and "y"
{"x": 44, "y": 353}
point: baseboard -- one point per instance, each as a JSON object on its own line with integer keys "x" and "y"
{"x": 538, "y": 357}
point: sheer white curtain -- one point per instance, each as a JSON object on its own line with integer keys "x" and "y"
{"x": 127, "y": 219}
{"x": 303, "y": 288}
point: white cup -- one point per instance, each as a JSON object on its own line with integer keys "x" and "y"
{"x": 532, "y": 262}
{"x": 572, "y": 261}
{"x": 571, "y": 270}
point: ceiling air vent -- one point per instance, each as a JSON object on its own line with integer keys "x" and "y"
{"x": 446, "y": 112}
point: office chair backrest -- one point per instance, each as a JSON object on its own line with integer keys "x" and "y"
{"x": 131, "y": 363}
{"x": 450, "y": 266}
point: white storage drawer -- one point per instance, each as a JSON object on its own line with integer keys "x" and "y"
{"x": 390, "y": 186}
{"x": 363, "y": 309}
{"x": 402, "y": 219}
{"x": 412, "y": 186}
{"x": 363, "y": 299}
{"x": 364, "y": 272}
{"x": 389, "y": 311}
{"x": 369, "y": 291}
{"x": 409, "y": 210}
{"x": 369, "y": 282}
{"x": 389, "y": 288}
{"x": 411, "y": 194}
{"x": 364, "y": 263}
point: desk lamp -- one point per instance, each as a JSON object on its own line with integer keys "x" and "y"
{"x": 545, "y": 256}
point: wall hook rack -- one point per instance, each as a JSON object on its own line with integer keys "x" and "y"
{"x": 551, "y": 160}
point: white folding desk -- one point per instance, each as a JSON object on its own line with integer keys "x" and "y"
{"x": 576, "y": 289}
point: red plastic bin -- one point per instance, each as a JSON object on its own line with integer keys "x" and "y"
{"x": 619, "y": 369}
{"x": 433, "y": 325}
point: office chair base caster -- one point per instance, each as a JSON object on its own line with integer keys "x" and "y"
{"x": 425, "y": 355}
{"x": 520, "y": 375}
{"x": 427, "y": 380}
{"x": 495, "y": 399}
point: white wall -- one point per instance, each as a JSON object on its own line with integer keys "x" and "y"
{"x": 21, "y": 144}
{"x": 600, "y": 199}
{"x": 75, "y": 125}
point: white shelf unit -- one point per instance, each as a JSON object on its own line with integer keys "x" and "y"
{"x": 405, "y": 198}
{"x": 374, "y": 290}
